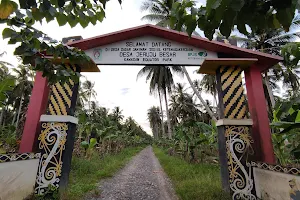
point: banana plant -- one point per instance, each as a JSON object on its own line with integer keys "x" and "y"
{"x": 89, "y": 147}
{"x": 286, "y": 129}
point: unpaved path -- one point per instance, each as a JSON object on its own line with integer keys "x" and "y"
{"x": 141, "y": 179}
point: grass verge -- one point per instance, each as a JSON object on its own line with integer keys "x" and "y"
{"x": 85, "y": 174}
{"x": 192, "y": 181}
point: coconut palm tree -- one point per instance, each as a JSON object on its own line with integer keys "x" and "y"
{"x": 159, "y": 12}
{"x": 183, "y": 105}
{"x": 88, "y": 91}
{"x": 155, "y": 121}
{"x": 209, "y": 85}
{"x": 24, "y": 78}
{"x": 3, "y": 63}
{"x": 271, "y": 41}
{"x": 117, "y": 114}
{"x": 161, "y": 80}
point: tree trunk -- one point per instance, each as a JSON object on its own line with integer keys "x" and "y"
{"x": 168, "y": 116}
{"x": 162, "y": 114}
{"x": 19, "y": 110}
{"x": 209, "y": 111}
{"x": 2, "y": 115}
{"x": 217, "y": 106}
{"x": 14, "y": 118}
{"x": 270, "y": 92}
{"x": 15, "y": 114}
{"x": 156, "y": 131}
{"x": 90, "y": 105}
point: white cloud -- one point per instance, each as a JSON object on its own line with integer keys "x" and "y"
{"x": 115, "y": 85}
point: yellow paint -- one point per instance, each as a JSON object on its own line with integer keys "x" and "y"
{"x": 242, "y": 112}
{"x": 68, "y": 89}
{"x": 51, "y": 109}
{"x": 60, "y": 102}
{"x": 226, "y": 75}
{"x": 235, "y": 111}
{"x": 230, "y": 92}
{"x": 230, "y": 80}
{"x": 71, "y": 82}
{"x": 62, "y": 92}
{"x": 56, "y": 107}
{"x": 233, "y": 100}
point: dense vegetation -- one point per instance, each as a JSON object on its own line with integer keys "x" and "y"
{"x": 190, "y": 121}
{"x": 189, "y": 131}
{"x": 13, "y": 108}
{"x": 108, "y": 131}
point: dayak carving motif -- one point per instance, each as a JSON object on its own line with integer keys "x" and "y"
{"x": 238, "y": 146}
{"x": 51, "y": 144}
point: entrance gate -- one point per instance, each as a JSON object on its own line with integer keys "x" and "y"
{"x": 243, "y": 128}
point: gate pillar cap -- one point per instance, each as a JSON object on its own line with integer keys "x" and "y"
{"x": 210, "y": 66}
{"x": 237, "y": 122}
{"x": 59, "y": 118}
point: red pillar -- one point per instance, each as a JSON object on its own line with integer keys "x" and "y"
{"x": 258, "y": 110}
{"x": 37, "y": 107}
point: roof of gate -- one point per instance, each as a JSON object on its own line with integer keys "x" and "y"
{"x": 265, "y": 60}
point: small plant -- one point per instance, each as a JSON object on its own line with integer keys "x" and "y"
{"x": 51, "y": 193}
{"x": 89, "y": 147}
{"x": 286, "y": 129}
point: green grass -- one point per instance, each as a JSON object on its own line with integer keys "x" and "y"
{"x": 85, "y": 174}
{"x": 192, "y": 181}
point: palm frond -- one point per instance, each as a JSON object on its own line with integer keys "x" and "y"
{"x": 284, "y": 38}
{"x": 153, "y": 17}
{"x": 177, "y": 70}
{"x": 295, "y": 23}
{"x": 143, "y": 72}
{"x": 163, "y": 23}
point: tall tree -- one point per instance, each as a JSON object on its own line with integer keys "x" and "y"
{"x": 24, "y": 78}
{"x": 225, "y": 15}
{"x": 88, "y": 90}
{"x": 117, "y": 114}
{"x": 160, "y": 12}
{"x": 203, "y": 102}
{"x": 155, "y": 121}
{"x": 183, "y": 105}
{"x": 4, "y": 64}
{"x": 161, "y": 80}
{"x": 271, "y": 41}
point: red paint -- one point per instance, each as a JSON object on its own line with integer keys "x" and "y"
{"x": 37, "y": 107}
{"x": 266, "y": 60}
{"x": 258, "y": 110}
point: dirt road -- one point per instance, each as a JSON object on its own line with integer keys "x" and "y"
{"x": 141, "y": 179}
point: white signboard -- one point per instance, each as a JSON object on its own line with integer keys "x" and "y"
{"x": 148, "y": 50}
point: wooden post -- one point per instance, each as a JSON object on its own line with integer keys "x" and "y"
{"x": 37, "y": 107}
{"x": 258, "y": 110}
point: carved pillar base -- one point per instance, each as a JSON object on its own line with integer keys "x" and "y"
{"x": 235, "y": 147}
{"x": 55, "y": 145}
